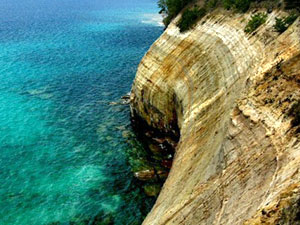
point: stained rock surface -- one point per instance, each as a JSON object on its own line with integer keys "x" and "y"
{"x": 231, "y": 95}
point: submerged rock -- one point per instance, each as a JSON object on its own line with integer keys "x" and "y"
{"x": 162, "y": 174}
{"x": 124, "y": 100}
{"x": 42, "y": 93}
{"x": 127, "y": 134}
{"x": 167, "y": 163}
{"x": 103, "y": 220}
{"x": 113, "y": 103}
{"x": 152, "y": 190}
{"x": 155, "y": 149}
{"x": 145, "y": 175}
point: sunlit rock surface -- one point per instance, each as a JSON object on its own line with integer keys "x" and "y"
{"x": 230, "y": 94}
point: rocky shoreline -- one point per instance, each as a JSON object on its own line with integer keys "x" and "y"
{"x": 159, "y": 150}
{"x": 152, "y": 150}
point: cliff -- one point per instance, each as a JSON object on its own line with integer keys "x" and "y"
{"x": 232, "y": 99}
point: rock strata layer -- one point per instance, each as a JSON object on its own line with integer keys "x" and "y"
{"x": 231, "y": 97}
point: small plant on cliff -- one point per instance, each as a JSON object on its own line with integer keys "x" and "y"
{"x": 190, "y": 17}
{"x": 282, "y": 24}
{"x": 256, "y": 21}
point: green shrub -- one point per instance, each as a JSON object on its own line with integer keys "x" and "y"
{"x": 190, "y": 17}
{"x": 242, "y": 5}
{"x": 292, "y": 4}
{"x": 175, "y": 6}
{"x": 256, "y": 21}
{"x": 211, "y": 4}
{"x": 239, "y": 5}
{"x": 172, "y": 8}
{"x": 167, "y": 21}
{"x": 282, "y": 24}
{"x": 290, "y": 19}
{"x": 228, "y": 4}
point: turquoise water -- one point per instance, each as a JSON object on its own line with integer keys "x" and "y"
{"x": 63, "y": 157}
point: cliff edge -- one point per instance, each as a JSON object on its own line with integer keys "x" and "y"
{"x": 234, "y": 98}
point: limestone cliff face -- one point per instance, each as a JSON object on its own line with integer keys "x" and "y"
{"x": 231, "y": 95}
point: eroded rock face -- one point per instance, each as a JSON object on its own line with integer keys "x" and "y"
{"x": 230, "y": 95}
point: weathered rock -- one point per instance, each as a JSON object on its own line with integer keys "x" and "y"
{"x": 127, "y": 134}
{"x": 155, "y": 149}
{"x": 126, "y": 97}
{"x": 228, "y": 93}
{"x": 113, "y": 103}
{"x": 162, "y": 174}
{"x": 145, "y": 175}
{"x": 167, "y": 163}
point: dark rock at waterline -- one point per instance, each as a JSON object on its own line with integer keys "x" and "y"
{"x": 160, "y": 147}
{"x": 165, "y": 141}
{"x": 171, "y": 142}
{"x": 163, "y": 175}
{"x": 122, "y": 102}
{"x": 159, "y": 140}
{"x": 152, "y": 190}
{"x": 145, "y": 175}
{"x": 155, "y": 149}
{"x": 125, "y": 100}
{"x": 167, "y": 163}
{"x": 126, "y": 97}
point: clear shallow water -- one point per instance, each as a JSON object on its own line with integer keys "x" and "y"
{"x": 62, "y": 155}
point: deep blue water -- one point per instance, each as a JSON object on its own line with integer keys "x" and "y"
{"x": 63, "y": 159}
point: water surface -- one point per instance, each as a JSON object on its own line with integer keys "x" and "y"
{"x": 63, "y": 158}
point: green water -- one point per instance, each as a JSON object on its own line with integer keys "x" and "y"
{"x": 63, "y": 157}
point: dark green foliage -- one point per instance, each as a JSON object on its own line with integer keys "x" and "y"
{"x": 292, "y": 4}
{"x": 228, "y": 4}
{"x": 255, "y": 22}
{"x": 172, "y": 8}
{"x": 162, "y": 5}
{"x": 175, "y": 6}
{"x": 167, "y": 20}
{"x": 290, "y": 19}
{"x": 240, "y": 5}
{"x": 190, "y": 17}
{"x": 282, "y": 24}
{"x": 211, "y": 4}
{"x": 295, "y": 113}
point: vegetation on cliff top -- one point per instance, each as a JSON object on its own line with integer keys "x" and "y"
{"x": 191, "y": 16}
{"x": 172, "y": 8}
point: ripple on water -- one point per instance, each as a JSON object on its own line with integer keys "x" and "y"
{"x": 63, "y": 156}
